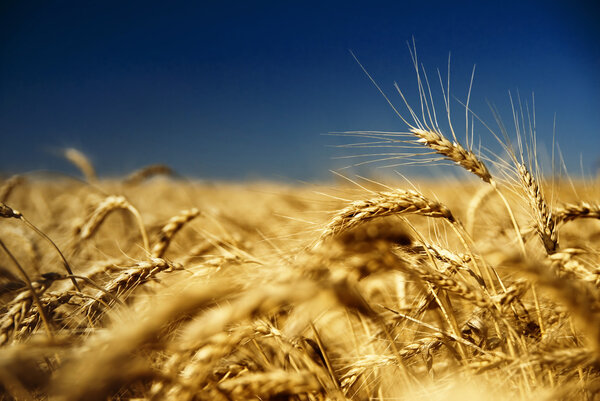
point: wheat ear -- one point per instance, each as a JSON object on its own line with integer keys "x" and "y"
{"x": 82, "y": 162}
{"x": 270, "y": 385}
{"x": 572, "y": 211}
{"x": 452, "y": 151}
{"x": 127, "y": 281}
{"x": 104, "y": 208}
{"x": 34, "y": 294}
{"x": 544, "y": 219}
{"x": 170, "y": 229}
{"x": 455, "y": 152}
{"x": 144, "y": 173}
{"x": 397, "y": 202}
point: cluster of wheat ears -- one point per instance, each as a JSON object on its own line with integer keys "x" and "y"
{"x": 251, "y": 292}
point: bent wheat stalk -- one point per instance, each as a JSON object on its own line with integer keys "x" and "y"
{"x": 476, "y": 201}
{"x": 106, "y": 206}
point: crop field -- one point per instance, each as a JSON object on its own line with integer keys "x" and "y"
{"x": 286, "y": 201}
{"x": 152, "y": 287}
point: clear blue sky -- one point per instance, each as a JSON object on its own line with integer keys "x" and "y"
{"x": 222, "y": 89}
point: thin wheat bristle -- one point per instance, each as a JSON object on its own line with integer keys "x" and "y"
{"x": 8, "y": 212}
{"x": 544, "y": 218}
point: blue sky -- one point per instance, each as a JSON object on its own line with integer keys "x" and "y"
{"x": 242, "y": 90}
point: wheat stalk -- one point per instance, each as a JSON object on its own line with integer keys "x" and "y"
{"x": 449, "y": 284}
{"x": 367, "y": 363}
{"x": 476, "y": 201}
{"x": 455, "y": 152}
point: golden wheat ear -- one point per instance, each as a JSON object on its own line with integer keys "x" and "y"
{"x": 398, "y": 202}
{"x": 574, "y": 211}
{"x": 544, "y": 218}
{"x": 83, "y": 163}
{"x": 170, "y": 229}
{"x": 108, "y": 205}
{"x": 453, "y": 151}
{"x": 148, "y": 172}
{"x": 36, "y": 299}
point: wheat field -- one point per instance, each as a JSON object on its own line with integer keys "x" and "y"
{"x": 152, "y": 286}
{"x": 162, "y": 288}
